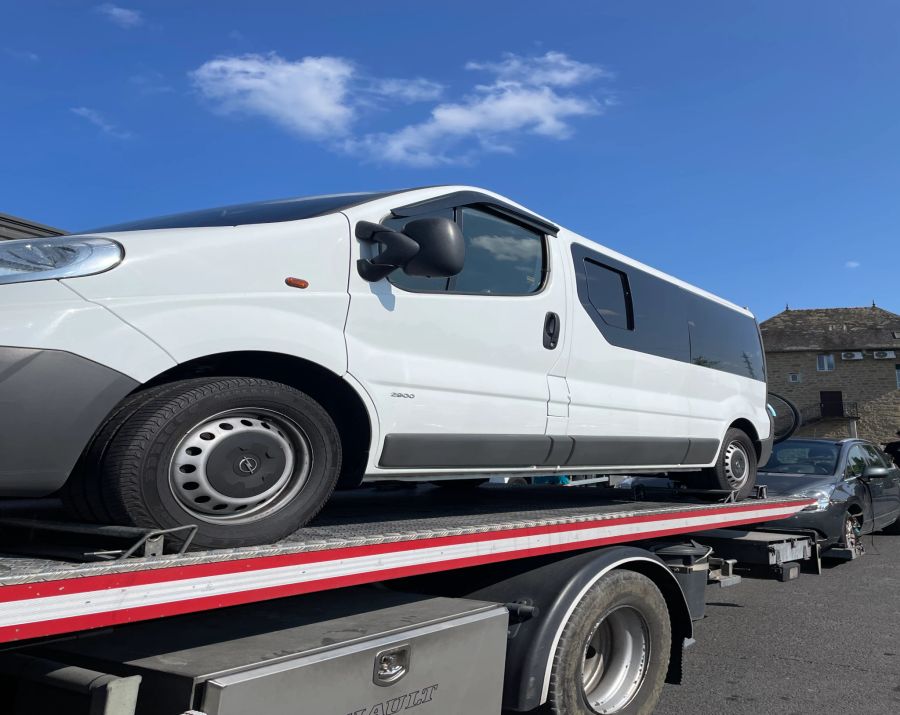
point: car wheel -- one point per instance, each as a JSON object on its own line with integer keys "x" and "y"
{"x": 248, "y": 461}
{"x": 614, "y": 651}
{"x": 850, "y": 533}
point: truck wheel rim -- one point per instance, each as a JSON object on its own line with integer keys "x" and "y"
{"x": 239, "y": 466}
{"x": 737, "y": 465}
{"x": 615, "y": 660}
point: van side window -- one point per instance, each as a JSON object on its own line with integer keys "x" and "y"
{"x": 724, "y": 339}
{"x": 417, "y": 284}
{"x": 610, "y": 295}
{"x": 502, "y": 257}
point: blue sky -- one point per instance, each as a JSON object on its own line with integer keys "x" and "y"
{"x": 750, "y": 148}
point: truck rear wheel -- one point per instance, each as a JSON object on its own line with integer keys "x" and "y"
{"x": 614, "y": 650}
{"x": 248, "y": 461}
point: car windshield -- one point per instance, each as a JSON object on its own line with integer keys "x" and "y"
{"x": 798, "y": 457}
{"x": 241, "y": 214}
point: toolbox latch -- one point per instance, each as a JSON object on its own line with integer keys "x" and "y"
{"x": 391, "y": 665}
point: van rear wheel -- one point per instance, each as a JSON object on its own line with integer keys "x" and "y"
{"x": 734, "y": 470}
{"x": 248, "y": 461}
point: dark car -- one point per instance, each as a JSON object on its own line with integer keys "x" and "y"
{"x": 856, "y": 487}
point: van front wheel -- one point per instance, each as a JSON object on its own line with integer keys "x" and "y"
{"x": 248, "y": 461}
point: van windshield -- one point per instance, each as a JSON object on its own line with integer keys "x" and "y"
{"x": 242, "y": 214}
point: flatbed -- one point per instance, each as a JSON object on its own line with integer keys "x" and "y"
{"x": 362, "y": 537}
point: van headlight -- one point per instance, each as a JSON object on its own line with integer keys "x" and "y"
{"x": 38, "y": 259}
{"x": 822, "y": 497}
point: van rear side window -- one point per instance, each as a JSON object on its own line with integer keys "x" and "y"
{"x": 608, "y": 292}
{"x": 636, "y": 310}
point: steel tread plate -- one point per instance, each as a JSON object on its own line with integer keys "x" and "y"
{"x": 374, "y": 516}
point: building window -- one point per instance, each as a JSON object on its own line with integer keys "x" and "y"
{"x": 825, "y": 363}
{"x": 896, "y": 334}
{"x": 897, "y": 370}
{"x": 793, "y": 377}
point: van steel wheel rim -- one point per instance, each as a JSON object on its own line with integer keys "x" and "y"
{"x": 239, "y": 466}
{"x": 737, "y": 465}
{"x": 615, "y": 660}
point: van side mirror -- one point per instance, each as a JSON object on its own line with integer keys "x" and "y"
{"x": 873, "y": 472}
{"x": 432, "y": 247}
{"x": 397, "y": 250}
{"x": 442, "y": 249}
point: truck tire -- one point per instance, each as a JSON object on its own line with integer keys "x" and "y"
{"x": 248, "y": 461}
{"x": 613, "y": 653}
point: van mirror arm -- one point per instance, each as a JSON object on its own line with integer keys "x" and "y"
{"x": 397, "y": 250}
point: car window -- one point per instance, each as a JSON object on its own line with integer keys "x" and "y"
{"x": 417, "y": 284}
{"x": 799, "y": 457}
{"x": 609, "y": 294}
{"x": 502, "y": 257}
{"x": 875, "y": 457}
{"x": 856, "y": 461}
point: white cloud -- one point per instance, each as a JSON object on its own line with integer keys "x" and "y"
{"x": 320, "y": 98}
{"x": 524, "y": 98}
{"x": 555, "y": 69}
{"x": 99, "y": 121}
{"x": 852, "y": 264}
{"x": 407, "y": 90}
{"x": 308, "y": 97}
{"x": 121, "y": 16}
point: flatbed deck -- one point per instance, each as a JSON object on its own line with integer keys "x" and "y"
{"x": 361, "y": 537}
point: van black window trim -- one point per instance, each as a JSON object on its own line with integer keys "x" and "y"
{"x": 626, "y": 295}
{"x": 476, "y": 199}
{"x": 457, "y": 218}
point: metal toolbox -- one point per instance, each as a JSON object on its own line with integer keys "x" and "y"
{"x": 358, "y": 651}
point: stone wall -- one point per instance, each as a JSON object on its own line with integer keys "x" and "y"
{"x": 870, "y": 383}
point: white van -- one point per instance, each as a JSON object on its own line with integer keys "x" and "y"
{"x": 230, "y": 367}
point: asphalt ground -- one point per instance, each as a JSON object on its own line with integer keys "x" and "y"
{"x": 818, "y": 645}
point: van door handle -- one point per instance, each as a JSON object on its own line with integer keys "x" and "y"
{"x": 551, "y": 330}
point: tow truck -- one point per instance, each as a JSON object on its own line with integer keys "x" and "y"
{"x": 418, "y": 599}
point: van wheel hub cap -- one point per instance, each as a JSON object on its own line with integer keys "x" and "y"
{"x": 737, "y": 465}
{"x": 239, "y": 465}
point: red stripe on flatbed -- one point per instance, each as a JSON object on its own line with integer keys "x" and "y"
{"x": 21, "y": 592}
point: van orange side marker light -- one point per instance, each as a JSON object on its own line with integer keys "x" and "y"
{"x": 296, "y": 282}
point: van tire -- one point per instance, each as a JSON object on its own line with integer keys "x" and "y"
{"x": 735, "y": 468}
{"x": 261, "y": 457}
{"x": 619, "y": 593}
{"x": 720, "y": 477}
{"x": 82, "y": 496}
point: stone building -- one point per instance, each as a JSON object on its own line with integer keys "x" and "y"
{"x": 840, "y": 366}
{"x": 15, "y": 227}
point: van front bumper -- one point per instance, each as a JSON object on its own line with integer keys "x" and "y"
{"x": 51, "y": 403}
